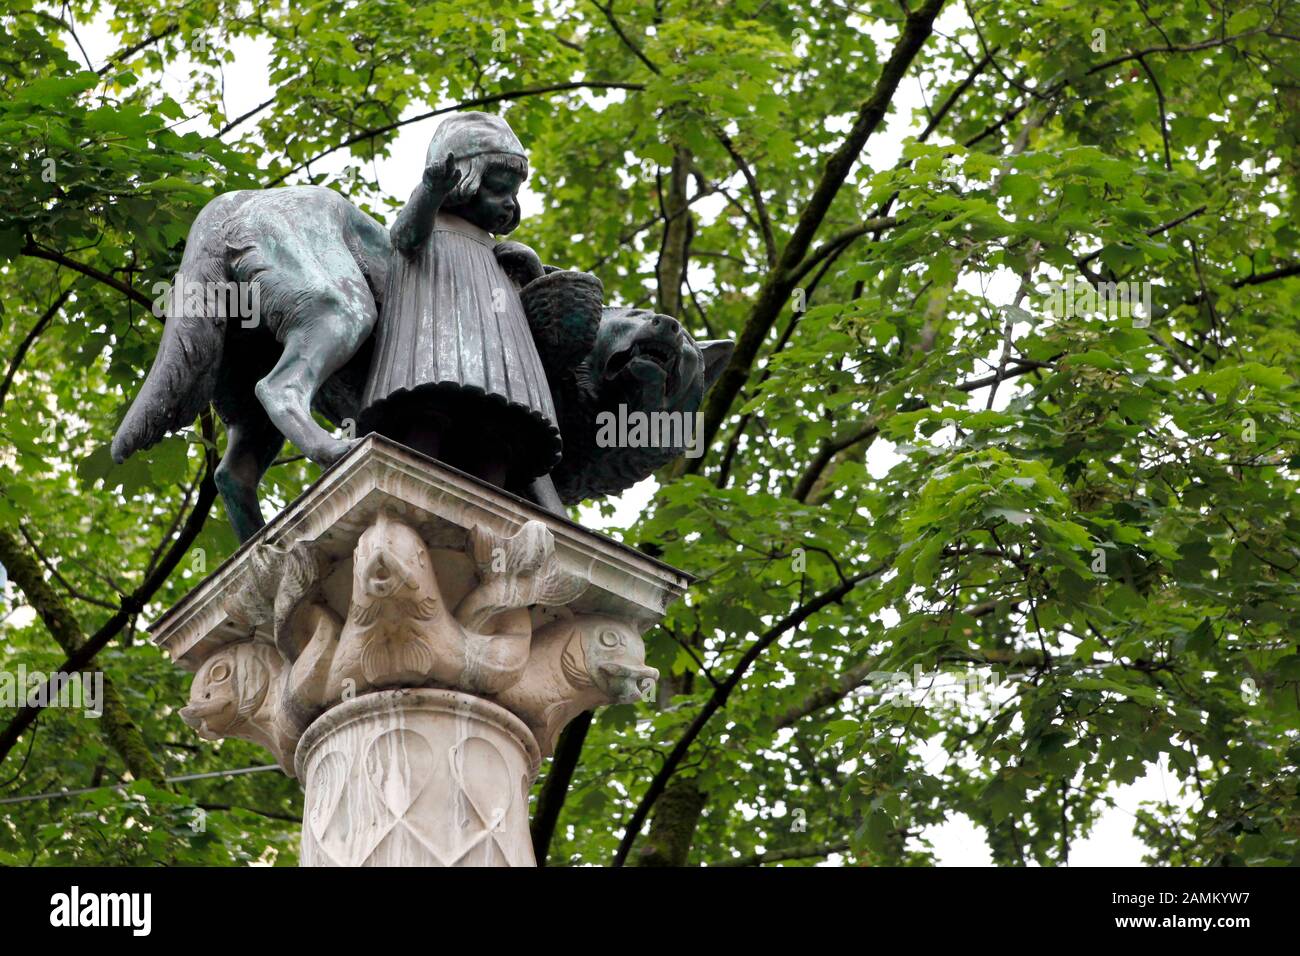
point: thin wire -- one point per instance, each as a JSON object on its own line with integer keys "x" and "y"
{"x": 184, "y": 778}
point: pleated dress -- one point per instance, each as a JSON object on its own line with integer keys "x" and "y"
{"x": 453, "y": 344}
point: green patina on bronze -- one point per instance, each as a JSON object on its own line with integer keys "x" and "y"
{"x": 352, "y": 321}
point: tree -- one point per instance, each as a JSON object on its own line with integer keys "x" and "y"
{"x": 1022, "y": 402}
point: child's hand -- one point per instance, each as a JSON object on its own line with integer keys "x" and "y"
{"x": 442, "y": 180}
{"x": 521, "y": 263}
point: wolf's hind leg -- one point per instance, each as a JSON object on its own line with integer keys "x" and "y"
{"x": 312, "y": 353}
{"x": 321, "y": 310}
{"x": 251, "y": 447}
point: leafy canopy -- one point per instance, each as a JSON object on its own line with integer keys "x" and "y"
{"x": 916, "y": 463}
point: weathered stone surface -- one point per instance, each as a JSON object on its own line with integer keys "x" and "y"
{"x": 417, "y": 778}
{"x": 410, "y": 641}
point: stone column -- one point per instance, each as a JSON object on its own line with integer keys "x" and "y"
{"x": 417, "y": 778}
{"x": 409, "y": 643}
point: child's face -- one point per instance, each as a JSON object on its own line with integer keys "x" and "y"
{"x": 495, "y": 207}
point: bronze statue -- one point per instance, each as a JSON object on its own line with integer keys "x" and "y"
{"x": 435, "y": 334}
{"x": 455, "y": 373}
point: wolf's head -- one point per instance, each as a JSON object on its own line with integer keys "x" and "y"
{"x": 644, "y": 362}
{"x": 649, "y": 362}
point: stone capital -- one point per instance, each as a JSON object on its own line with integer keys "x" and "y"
{"x": 410, "y": 642}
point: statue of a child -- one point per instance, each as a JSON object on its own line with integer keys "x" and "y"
{"x": 456, "y": 374}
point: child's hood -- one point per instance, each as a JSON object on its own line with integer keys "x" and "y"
{"x": 472, "y": 134}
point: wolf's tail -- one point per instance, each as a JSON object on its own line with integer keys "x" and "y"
{"x": 184, "y": 373}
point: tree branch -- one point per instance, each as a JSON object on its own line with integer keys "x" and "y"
{"x": 136, "y": 48}
{"x": 63, "y": 627}
{"x": 63, "y": 582}
{"x": 550, "y": 800}
{"x": 1160, "y": 103}
{"x": 627, "y": 41}
{"x": 244, "y": 116}
{"x": 719, "y": 697}
{"x": 50, "y": 255}
{"x": 479, "y": 101}
{"x": 760, "y": 208}
{"x": 780, "y": 280}
{"x": 792, "y": 853}
{"x": 62, "y": 624}
{"x": 30, "y": 339}
{"x": 838, "y": 241}
{"x": 832, "y": 447}
{"x": 837, "y": 690}
{"x": 1155, "y": 231}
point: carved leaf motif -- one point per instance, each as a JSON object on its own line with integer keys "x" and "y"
{"x": 386, "y": 660}
{"x": 272, "y": 588}
{"x": 526, "y": 550}
{"x": 573, "y": 666}
{"x": 558, "y": 588}
{"x": 516, "y": 572}
{"x": 328, "y": 780}
{"x": 482, "y": 777}
{"x": 398, "y": 764}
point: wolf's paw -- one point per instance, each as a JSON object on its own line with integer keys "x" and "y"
{"x": 332, "y": 450}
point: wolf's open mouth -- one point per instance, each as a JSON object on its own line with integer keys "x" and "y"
{"x": 661, "y": 354}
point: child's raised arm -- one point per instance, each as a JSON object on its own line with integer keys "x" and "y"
{"x": 415, "y": 221}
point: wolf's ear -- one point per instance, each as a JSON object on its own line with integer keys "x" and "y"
{"x": 717, "y": 353}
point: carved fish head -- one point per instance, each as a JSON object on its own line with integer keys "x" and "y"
{"x": 229, "y": 688}
{"x": 391, "y": 562}
{"x": 615, "y": 661}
